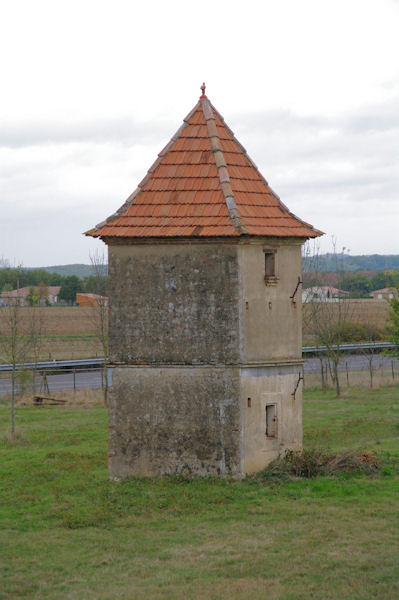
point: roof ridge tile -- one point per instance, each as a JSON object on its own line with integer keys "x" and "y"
{"x": 222, "y": 166}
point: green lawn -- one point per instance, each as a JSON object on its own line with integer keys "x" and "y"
{"x": 68, "y": 533}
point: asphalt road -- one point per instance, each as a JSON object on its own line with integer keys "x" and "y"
{"x": 354, "y": 362}
{"x": 92, "y": 379}
{"x": 64, "y": 381}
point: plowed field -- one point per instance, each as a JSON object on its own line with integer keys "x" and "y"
{"x": 66, "y": 332}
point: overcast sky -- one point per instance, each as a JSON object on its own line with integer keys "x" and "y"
{"x": 93, "y": 90}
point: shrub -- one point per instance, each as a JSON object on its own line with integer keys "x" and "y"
{"x": 347, "y": 332}
{"x": 311, "y": 463}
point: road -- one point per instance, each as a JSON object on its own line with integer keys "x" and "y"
{"x": 355, "y": 362}
{"x": 92, "y": 379}
{"x": 65, "y": 381}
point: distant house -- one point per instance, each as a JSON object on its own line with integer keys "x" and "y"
{"x": 384, "y": 294}
{"x": 20, "y": 296}
{"x": 91, "y": 300}
{"x": 53, "y": 291}
{"x": 323, "y": 293}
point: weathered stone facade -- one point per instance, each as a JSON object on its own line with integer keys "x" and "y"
{"x": 205, "y": 312}
{"x": 175, "y": 420}
{"x": 174, "y": 303}
{"x": 201, "y": 345}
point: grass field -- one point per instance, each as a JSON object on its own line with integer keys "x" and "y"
{"x": 70, "y": 347}
{"x": 68, "y": 533}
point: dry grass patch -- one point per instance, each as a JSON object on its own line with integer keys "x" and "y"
{"x": 60, "y": 320}
{"x": 359, "y": 311}
{"x": 70, "y": 347}
{"x": 65, "y": 331}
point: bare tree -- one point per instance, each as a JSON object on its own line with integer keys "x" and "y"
{"x": 100, "y": 313}
{"x": 371, "y": 334}
{"x": 35, "y": 330}
{"x": 14, "y": 343}
{"x": 326, "y": 313}
{"x": 42, "y": 293}
{"x": 21, "y": 330}
{"x": 394, "y": 321}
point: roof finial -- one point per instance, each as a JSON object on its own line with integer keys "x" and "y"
{"x": 203, "y": 89}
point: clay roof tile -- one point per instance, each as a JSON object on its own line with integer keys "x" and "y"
{"x": 203, "y": 184}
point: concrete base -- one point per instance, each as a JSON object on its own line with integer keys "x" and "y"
{"x": 183, "y": 420}
{"x": 199, "y": 421}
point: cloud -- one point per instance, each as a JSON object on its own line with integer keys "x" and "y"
{"x": 336, "y": 172}
{"x": 122, "y": 130}
{"x": 354, "y": 151}
{"x": 381, "y": 117}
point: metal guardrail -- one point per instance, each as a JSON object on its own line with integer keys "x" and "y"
{"x": 89, "y": 363}
{"x": 50, "y": 365}
{"x": 350, "y": 347}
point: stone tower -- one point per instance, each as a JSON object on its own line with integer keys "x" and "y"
{"x": 205, "y": 312}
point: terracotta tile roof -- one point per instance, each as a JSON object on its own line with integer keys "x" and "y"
{"x": 203, "y": 184}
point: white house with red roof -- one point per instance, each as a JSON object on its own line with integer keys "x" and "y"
{"x": 44, "y": 294}
{"x": 384, "y": 294}
{"x": 323, "y": 293}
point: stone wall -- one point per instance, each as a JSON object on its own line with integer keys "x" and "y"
{"x": 260, "y": 387}
{"x": 174, "y": 304}
{"x": 271, "y": 324}
{"x": 174, "y": 420}
{"x": 202, "y": 345}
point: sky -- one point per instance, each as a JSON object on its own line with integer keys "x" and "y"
{"x": 93, "y": 90}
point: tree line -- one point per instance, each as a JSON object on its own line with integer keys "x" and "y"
{"x": 354, "y": 263}
{"x": 359, "y": 285}
{"x": 12, "y": 278}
